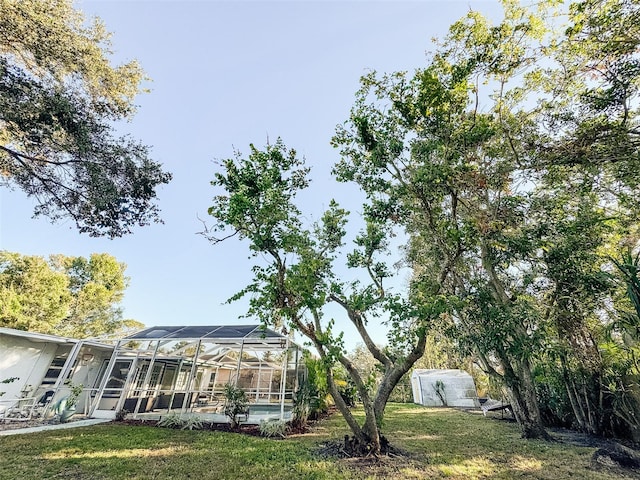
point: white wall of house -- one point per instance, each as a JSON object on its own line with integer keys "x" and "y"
{"x": 27, "y": 360}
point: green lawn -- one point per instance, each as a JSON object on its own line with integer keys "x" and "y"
{"x": 439, "y": 443}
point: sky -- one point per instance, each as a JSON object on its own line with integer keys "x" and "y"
{"x": 224, "y": 75}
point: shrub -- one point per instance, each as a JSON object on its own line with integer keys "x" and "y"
{"x": 171, "y": 420}
{"x": 305, "y": 402}
{"x": 175, "y": 420}
{"x": 273, "y": 428}
{"x": 236, "y": 403}
{"x": 121, "y": 415}
{"x": 192, "y": 422}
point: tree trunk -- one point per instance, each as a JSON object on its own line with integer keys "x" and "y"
{"x": 574, "y": 398}
{"x": 522, "y": 395}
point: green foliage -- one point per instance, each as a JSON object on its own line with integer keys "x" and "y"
{"x": 191, "y": 422}
{"x": 629, "y": 323}
{"x": 306, "y": 402}
{"x": 34, "y": 297}
{"x": 236, "y": 403}
{"x": 317, "y": 382}
{"x": 75, "y": 390}
{"x": 171, "y": 420}
{"x": 59, "y": 97}
{"x": 273, "y": 428}
{"x": 179, "y": 421}
{"x": 295, "y": 277}
{"x": 510, "y": 161}
{"x": 121, "y": 415}
{"x": 68, "y": 296}
{"x": 623, "y": 373}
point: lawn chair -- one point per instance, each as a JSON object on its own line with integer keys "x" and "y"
{"x": 491, "y": 405}
{"x": 41, "y": 405}
{"x": 17, "y": 409}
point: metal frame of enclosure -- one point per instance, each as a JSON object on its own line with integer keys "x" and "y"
{"x": 184, "y": 369}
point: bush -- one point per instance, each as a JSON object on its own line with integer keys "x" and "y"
{"x": 236, "y": 403}
{"x": 192, "y": 422}
{"x": 273, "y": 428}
{"x": 171, "y": 420}
{"x": 175, "y": 420}
{"x": 121, "y": 415}
{"x": 305, "y": 403}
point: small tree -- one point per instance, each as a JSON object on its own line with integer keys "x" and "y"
{"x": 236, "y": 403}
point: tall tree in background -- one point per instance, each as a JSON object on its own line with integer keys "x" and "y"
{"x": 59, "y": 95}
{"x": 69, "y": 296}
{"x": 97, "y": 286}
{"x": 33, "y": 297}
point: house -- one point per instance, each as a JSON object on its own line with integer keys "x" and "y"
{"x": 41, "y": 363}
{"x": 155, "y": 371}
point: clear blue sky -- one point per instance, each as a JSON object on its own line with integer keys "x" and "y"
{"x": 226, "y": 74}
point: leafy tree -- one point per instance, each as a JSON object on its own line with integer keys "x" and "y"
{"x": 585, "y": 164}
{"x": 510, "y": 158}
{"x": 59, "y": 95}
{"x": 299, "y": 278}
{"x": 97, "y": 286}
{"x": 511, "y": 162}
{"x": 69, "y": 296}
{"x": 33, "y": 297}
{"x": 236, "y": 403}
{"x": 433, "y": 159}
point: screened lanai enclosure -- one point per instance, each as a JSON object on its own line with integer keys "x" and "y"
{"x": 184, "y": 369}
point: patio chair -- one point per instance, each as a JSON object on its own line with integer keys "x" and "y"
{"x": 18, "y": 409}
{"x": 41, "y": 405}
{"x": 491, "y": 405}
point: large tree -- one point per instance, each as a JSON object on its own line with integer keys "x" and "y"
{"x": 59, "y": 97}
{"x": 299, "y": 273}
{"x": 434, "y": 155}
{"x": 70, "y": 296}
{"x": 511, "y": 163}
{"x": 513, "y": 157}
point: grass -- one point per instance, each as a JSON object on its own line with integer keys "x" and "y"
{"x": 439, "y": 443}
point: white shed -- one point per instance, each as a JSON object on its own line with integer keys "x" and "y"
{"x": 448, "y": 388}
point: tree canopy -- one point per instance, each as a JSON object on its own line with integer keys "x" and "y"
{"x": 70, "y": 296}
{"x": 299, "y": 280}
{"x": 510, "y": 162}
{"x": 59, "y": 98}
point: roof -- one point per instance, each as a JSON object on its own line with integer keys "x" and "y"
{"x": 451, "y": 373}
{"x": 46, "y": 338}
{"x": 220, "y": 334}
{"x": 36, "y": 337}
